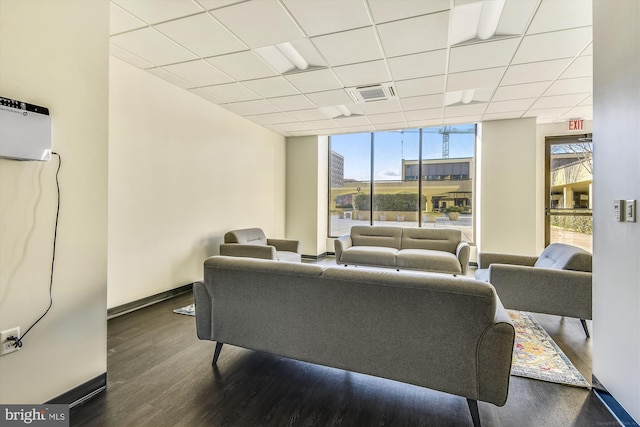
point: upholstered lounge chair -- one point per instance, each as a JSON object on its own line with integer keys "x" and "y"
{"x": 252, "y": 243}
{"x": 557, "y": 282}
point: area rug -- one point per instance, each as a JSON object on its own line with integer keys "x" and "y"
{"x": 189, "y": 310}
{"x": 536, "y": 356}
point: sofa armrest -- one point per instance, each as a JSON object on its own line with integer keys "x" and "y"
{"x": 342, "y": 243}
{"x": 463, "y": 252}
{"x": 485, "y": 259}
{"x": 286, "y": 245}
{"x": 543, "y": 290}
{"x": 204, "y": 315}
{"x": 251, "y": 251}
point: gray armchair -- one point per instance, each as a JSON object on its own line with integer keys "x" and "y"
{"x": 557, "y": 282}
{"x": 252, "y": 243}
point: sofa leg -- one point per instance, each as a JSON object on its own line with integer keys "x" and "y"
{"x": 475, "y": 415}
{"x": 216, "y": 352}
{"x": 585, "y": 327}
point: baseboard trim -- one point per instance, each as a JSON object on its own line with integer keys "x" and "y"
{"x": 610, "y": 402}
{"x": 145, "y": 302}
{"x": 82, "y": 393}
{"x": 315, "y": 257}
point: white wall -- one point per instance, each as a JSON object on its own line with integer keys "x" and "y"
{"x": 616, "y": 269}
{"x": 307, "y": 192}
{"x": 508, "y": 184}
{"x": 55, "y": 54}
{"x": 183, "y": 171}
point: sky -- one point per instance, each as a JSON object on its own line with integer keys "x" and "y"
{"x": 391, "y": 147}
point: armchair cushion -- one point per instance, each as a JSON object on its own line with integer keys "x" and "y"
{"x": 253, "y": 243}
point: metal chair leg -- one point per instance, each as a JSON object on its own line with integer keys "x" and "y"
{"x": 216, "y": 352}
{"x": 475, "y": 415}
{"x": 585, "y": 327}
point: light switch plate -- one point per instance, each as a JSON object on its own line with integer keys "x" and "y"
{"x": 630, "y": 211}
{"x": 617, "y": 210}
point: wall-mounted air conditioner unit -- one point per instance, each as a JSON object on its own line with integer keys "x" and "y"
{"x": 368, "y": 93}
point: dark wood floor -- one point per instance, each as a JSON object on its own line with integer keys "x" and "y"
{"x": 160, "y": 374}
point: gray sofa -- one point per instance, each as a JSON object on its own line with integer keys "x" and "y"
{"x": 557, "y": 282}
{"x": 252, "y": 243}
{"x": 427, "y": 249}
{"x": 403, "y": 326}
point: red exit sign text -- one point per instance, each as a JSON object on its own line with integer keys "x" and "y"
{"x": 576, "y": 124}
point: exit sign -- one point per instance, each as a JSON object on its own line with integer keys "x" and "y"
{"x": 576, "y": 124}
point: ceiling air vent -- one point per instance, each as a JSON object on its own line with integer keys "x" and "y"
{"x": 370, "y": 93}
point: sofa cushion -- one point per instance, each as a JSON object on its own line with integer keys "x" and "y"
{"x": 247, "y": 236}
{"x": 369, "y": 255}
{"x": 388, "y": 237}
{"x": 289, "y": 256}
{"x": 560, "y": 256}
{"x": 426, "y": 259}
{"x": 429, "y": 238}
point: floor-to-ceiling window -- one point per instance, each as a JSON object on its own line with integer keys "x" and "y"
{"x": 410, "y": 178}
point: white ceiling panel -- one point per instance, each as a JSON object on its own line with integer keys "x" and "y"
{"x": 128, "y": 57}
{"x": 587, "y": 101}
{"x": 560, "y": 15}
{"x": 377, "y": 119}
{"x": 425, "y": 123}
{"x": 363, "y": 74}
{"x": 547, "y": 46}
{"x": 274, "y": 118}
{"x": 259, "y": 106}
{"x": 352, "y": 121}
{"x": 474, "y": 79}
{"x": 515, "y": 16}
{"x": 546, "y": 114}
{"x": 242, "y": 65}
{"x": 422, "y": 86}
{"x": 482, "y": 55}
{"x": 464, "y": 110}
{"x": 216, "y": 4}
{"x": 349, "y": 47}
{"x": 418, "y": 65}
{"x": 232, "y": 92}
{"x": 330, "y": 97}
{"x": 513, "y": 105}
{"x": 588, "y": 50}
{"x": 291, "y": 103}
{"x": 308, "y": 115}
{"x": 202, "y": 35}
{"x": 323, "y": 17}
{"x": 422, "y": 102}
{"x": 502, "y": 116}
{"x": 152, "y": 46}
{"x": 206, "y": 95}
{"x": 120, "y": 20}
{"x": 271, "y": 87}
{"x": 521, "y": 91}
{"x": 568, "y": 86}
{"x": 314, "y": 81}
{"x": 198, "y": 72}
{"x": 390, "y": 126}
{"x": 392, "y": 10}
{"x": 293, "y": 127}
{"x": 558, "y": 101}
{"x": 322, "y": 124}
{"x": 148, "y": 10}
{"x": 535, "y": 72}
{"x": 424, "y": 33}
{"x": 580, "y": 112}
{"x": 171, "y": 78}
{"x": 581, "y": 67}
{"x": 380, "y": 107}
{"x": 428, "y": 114}
{"x": 259, "y": 23}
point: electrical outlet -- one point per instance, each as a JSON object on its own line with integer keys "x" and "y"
{"x": 6, "y": 346}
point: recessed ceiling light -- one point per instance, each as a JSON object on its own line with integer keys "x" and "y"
{"x": 292, "y": 57}
{"x": 477, "y": 20}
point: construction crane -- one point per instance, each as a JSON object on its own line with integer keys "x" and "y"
{"x": 445, "y": 131}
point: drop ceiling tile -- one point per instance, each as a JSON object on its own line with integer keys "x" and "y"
{"x": 588, "y": 101}
{"x": 502, "y": 116}
{"x": 259, "y": 106}
{"x": 458, "y": 120}
{"x": 202, "y": 35}
{"x": 425, "y": 123}
{"x": 120, "y": 20}
{"x": 380, "y": 107}
{"x": 314, "y": 81}
{"x": 271, "y": 87}
{"x": 232, "y": 92}
{"x": 588, "y": 50}
{"x": 362, "y": 74}
{"x": 422, "y": 102}
{"x": 201, "y": 92}
{"x": 421, "y": 86}
{"x": 148, "y": 10}
{"x": 568, "y": 86}
{"x": 558, "y": 101}
{"x": 546, "y": 113}
{"x": 352, "y": 121}
{"x": 464, "y": 110}
{"x": 418, "y": 65}
{"x": 198, "y": 72}
{"x": 293, "y": 127}
{"x": 561, "y": 15}
{"x": 291, "y": 103}
{"x": 348, "y": 47}
{"x": 580, "y": 112}
{"x": 128, "y": 57}
{"x": 423, "y": 33}
{"x": 581, "y": 67}
{"x": 330, "y": 97}
{"x": 534, "y": 72}
{"x": 171, "y": 78}
{"x": 322, "y": 124}
{"x": 259, "y": 23}
{"x": 482, "y": 55}
{"x": 234, "y": 109}
{"x": 474, "y": 79}
{"x": 242, "y": 66}
{"x": 428, "y": 114}
{"x": 507, "y": 106}
{"x": 216, "y": 4}
{"x": 377, "y": 119}
{"x": 521, "y": 91}
{"x": 323, "y": 17}
{"x": 515, "y": 16}
{"x": 555, "y": 45}
{"x": 308, "y": 115}
{"x": 274, "y": 118}
{"x": 390, "y": 126}
{"x": 152, "y": 46}
{"x": 392, "y": 10}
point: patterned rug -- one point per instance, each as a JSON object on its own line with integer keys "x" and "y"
{"x": 536, "y": 356}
